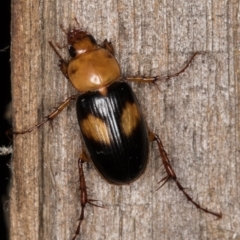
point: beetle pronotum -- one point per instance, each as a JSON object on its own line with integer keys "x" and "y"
{"x": 111, "y": 122}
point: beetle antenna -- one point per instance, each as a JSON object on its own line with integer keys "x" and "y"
{"x": 77, "y": 22}
{"x": 63, "y": 29}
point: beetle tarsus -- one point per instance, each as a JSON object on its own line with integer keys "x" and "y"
{"x": 171, "y": 175}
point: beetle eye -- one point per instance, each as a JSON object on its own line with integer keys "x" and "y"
{"x": 72, "y": 51}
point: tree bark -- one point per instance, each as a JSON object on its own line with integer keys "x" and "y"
{"x": 196, "y": 115}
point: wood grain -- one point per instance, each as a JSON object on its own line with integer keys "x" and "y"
{"x": 196, "y": 115}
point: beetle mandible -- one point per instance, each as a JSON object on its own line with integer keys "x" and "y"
{"x": 111, "y": 122}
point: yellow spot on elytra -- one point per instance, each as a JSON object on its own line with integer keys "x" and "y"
{"x": 130, "y": 118}
{"x": 95, "y": 128}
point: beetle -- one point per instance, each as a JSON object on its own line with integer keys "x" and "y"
{"x": 111, "y": 122}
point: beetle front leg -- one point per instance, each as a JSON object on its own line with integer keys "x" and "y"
{"x": 49, "y": 117}
{"x": 62, "y": 63}
{"x": 149, "y": 79}
{"x": 83, "y": 192}
{"x": 172, "y": 175}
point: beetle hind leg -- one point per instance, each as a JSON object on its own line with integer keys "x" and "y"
{"x": 172, "y": 175}
{"x": 83, "y": 193}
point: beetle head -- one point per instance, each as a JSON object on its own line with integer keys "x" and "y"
{"x": 80, "y": 42}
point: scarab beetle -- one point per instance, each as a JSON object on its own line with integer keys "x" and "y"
{"x": 112, "y": 125}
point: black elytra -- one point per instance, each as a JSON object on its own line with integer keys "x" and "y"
{"x": 120, "y": 156}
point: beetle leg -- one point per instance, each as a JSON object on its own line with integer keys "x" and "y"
{"x": 49, "y": 117}
{"x": 172, "y": 175}
{"x": 108, "y": 46}
{"x": 62, "y": 63}
{"x": 83, "y": 192}
{"x": 149, "y": 79}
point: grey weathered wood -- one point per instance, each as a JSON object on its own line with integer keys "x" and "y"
{"x": 196, "y": 115}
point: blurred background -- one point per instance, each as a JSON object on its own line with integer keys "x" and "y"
{"x": 5, "y": 116}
